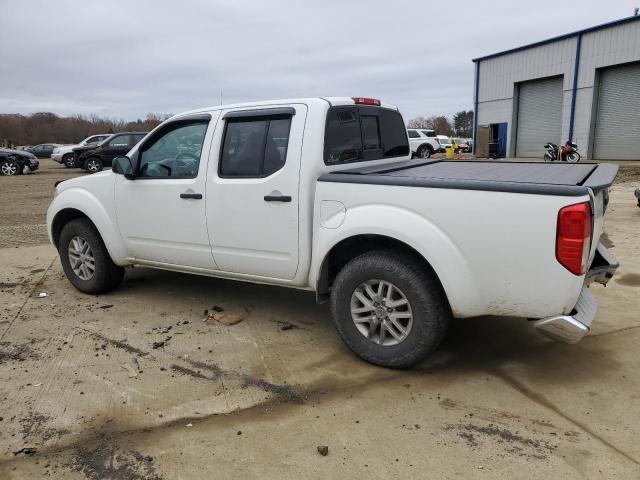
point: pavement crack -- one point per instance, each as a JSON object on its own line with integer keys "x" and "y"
{"x": 626, "y": 329}
{"x": 29, "y": 295}
{"x": 543, "y": 401}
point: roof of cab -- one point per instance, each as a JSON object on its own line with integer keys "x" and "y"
{"x": 331, "y": 101}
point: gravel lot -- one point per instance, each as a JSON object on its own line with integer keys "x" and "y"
{"x": 139, "y": 384}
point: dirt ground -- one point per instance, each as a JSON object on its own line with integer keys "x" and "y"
{"x": 138, "y": 384}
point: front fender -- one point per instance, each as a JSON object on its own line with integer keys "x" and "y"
{"x": 88, "y": 204}
{"x": 414, "y": 230}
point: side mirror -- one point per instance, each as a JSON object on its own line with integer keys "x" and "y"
{"x": 123, "y": 166}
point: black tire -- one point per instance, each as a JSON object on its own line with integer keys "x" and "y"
{"x": 424, "y": 151}
{"x": 69, "y": 160}
{"x": 428, "y": 303}
{"x": 10, "y": 167}
{"x": 93, "y": 164}
{"x": 106, "y": 276}
{"x": 573, "y": 157}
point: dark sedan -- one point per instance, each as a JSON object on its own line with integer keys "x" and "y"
{"x": 16, "y": 162}
{"x": 93, "y": 158}
{"x": 44, "y": 150}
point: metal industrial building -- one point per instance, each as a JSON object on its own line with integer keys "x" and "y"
{"x": 583, "y": 86}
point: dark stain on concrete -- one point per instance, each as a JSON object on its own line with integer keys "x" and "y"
{"x": 101, "y": 460}
{"x": 11, "y": 352}
{"x": 629, "y": 279}
{"x": 513, "y": 442}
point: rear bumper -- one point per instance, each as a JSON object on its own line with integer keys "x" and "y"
{"x": 572, "y": 328}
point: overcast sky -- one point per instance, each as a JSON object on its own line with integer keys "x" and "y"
{"x": 122, "y": 59}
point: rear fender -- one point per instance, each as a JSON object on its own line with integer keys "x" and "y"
{"x": 423, "y": 236}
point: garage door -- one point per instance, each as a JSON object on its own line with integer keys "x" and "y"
{"x": 617, "y": 128}
{"x": 539, "y": 116}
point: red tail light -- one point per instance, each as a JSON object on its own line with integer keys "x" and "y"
{"x": 367, "y": 101}
{"x": 573, "y": 237}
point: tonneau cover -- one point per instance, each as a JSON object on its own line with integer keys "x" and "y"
{"x": 519, "y": 177}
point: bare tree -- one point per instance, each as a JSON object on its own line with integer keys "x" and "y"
{"x": 46, "y": 127}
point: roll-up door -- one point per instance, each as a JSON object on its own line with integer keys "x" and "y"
{"x": 617, "y": 127}
{"x": 539, "y": 116}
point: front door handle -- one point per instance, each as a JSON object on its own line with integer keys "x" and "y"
{"x": 195, "y": 196}
{"x": 277, "y": 198}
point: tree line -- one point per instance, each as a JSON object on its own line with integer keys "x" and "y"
{"x": 461, "y": 125}
{"x": 47, "y": 127}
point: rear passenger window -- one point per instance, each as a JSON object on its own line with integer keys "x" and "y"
{"x": 254, "y": 147}
{"x": 356, "y": 134}
{"x": 394, "y": 136}
{"x": 119, "y": 141}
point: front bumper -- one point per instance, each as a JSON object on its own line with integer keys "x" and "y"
{"x": 56, "y": 157}
{"x": 573, "y": 327}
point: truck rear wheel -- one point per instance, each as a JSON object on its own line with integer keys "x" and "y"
{"x": 388, "y": 309}
{"x": 85, "y": 259}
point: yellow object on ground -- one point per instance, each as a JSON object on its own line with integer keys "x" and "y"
{"x": 448, "y": 152}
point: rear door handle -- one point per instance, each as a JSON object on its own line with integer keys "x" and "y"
{"x": 195, "y": 196}
{"x": 277, "y": 198}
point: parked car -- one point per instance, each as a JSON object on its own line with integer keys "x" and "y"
{"x": 319, "y": 194}
{"x": 44, "y": 150}
{"x": 462, "y": 144}
{"x": 16, "y": 162}
{"x": 64, "y": 153}
{"x": 93, "y": 158}
{"x": 423, "y": 143}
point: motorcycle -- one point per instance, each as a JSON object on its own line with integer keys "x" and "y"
{"x": 568, "y": 152}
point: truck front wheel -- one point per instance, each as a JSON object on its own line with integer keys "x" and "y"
{"x": 85, "y": 259}
{"x": 389, "y": 309}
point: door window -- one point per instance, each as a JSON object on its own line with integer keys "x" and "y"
{"x": 119, "y": 141}
{"x": 254, "y": 148}
{"x": 413, "y": 134}
{"x": 175, "y": 153}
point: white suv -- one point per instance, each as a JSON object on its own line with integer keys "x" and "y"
{"x": 423, "y": 142}
{"x": 64, "y": 153}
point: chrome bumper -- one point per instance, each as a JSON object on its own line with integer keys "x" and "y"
{"x": 571, "y": 328}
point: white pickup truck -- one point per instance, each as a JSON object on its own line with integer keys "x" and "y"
{"x": 321, "y": 194}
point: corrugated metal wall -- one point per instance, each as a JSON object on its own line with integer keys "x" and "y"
{"x": 601, "y": 48}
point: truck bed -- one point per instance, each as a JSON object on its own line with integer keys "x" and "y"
{"x": 566, "y": 179}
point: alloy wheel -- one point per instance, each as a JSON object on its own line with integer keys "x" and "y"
{"x": 9, "y": 168}
{"x": 81, "y": 258}
{"x": 381, "y": 312}
{"x": 93, "y": 166}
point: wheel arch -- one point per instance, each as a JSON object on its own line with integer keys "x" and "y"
{"x": 77, "y": 203}
{"x": 349, "y": 248}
